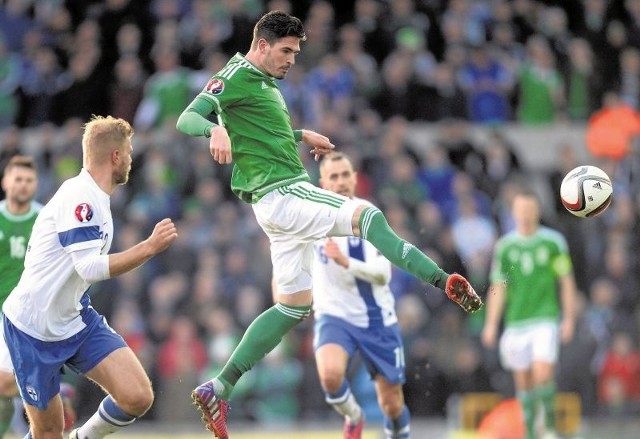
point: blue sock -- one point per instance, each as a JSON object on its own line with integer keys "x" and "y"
{"x": 108, "y": 419}
{"x": 340, "y": 395}
{"x": 345, "y": 403}
{"x": 398, "y": 428}
{"x": 111, "y": 413}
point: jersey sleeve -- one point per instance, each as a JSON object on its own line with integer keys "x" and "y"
{"x": 376, "y": 269}
{"x": 222, "y": 92}
{"x": 78, "y": 219}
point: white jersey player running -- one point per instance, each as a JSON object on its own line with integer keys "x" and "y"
{"x": 74, "y": 225}
{"x": 48, "y": 320}
{"x": 354, "y": 311}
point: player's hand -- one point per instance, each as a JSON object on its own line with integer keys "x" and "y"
{"x": 220, "y": 145}
{"x": 164, "y": 233}
{"x": 488, "y": 337}
{"x": 320, "y": 145}
{"x": 332, "y": 250}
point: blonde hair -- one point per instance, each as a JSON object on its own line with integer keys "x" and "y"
{"x": 101, "y": 136}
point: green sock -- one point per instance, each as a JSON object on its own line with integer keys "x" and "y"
{"x": 546, "y": 394}
{"x": 6, "y": 415}
{"x": 375, "y": 229}
{"x": 528, "y": 403}
{"x": 261, "y": 337}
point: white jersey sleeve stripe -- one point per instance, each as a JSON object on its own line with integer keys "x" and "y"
{"x": 79, "y": 234}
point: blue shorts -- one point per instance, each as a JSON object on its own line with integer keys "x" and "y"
{"x": 381, "y": 348}
{"x": 38, "y": 364}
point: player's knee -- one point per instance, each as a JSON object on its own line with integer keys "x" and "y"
{"x": 391, "y": 405}
{"x": 137, "y": 403}
{"x": 331, "y": 381}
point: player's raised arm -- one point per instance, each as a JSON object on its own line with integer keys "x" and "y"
{"x": 193, "y": 121}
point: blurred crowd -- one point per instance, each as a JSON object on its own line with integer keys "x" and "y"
{"x": 369, "y": 73}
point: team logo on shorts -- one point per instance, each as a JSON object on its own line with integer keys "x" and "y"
{"x": 215, "y": 86}
{"x": 32, "y": 393}
{"x": 84, "y": 213}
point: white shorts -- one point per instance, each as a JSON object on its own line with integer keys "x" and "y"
{"x": 5, "y": 358}
{"x": 294, "y": 217}
{"x": 521, "y": 346}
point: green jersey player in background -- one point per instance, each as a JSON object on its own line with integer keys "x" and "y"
{"x": 18, "y": 212}
{"x": 254, "y": 132}
{"x": 531, "y": 277}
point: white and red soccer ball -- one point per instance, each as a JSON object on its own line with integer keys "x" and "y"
{"x": 586, "y": 191}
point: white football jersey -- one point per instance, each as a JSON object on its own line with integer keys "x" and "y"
{"x": 47, "y": 301}
{"x": 359, "y": 294}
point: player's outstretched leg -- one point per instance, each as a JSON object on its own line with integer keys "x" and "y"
{"x": 375, "y": 229}
{"x": 214, "y": 410}
{"x": 460, "y": 291}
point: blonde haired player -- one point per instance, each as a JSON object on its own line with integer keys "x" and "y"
{"x": 48, "y": 319}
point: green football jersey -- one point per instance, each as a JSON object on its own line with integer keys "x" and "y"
{"x": 249, "y": 105}
{"x": 530, "y": 267}
{"x": 15, "y": 231}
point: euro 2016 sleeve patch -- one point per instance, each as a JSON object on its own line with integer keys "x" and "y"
{"x": 83, "y": 212}
{"x": 215, "y": 86}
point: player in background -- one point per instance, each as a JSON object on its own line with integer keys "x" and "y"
{"x": 531, "y": 268}
{"x": 254, "y": 131}
{"x": 48, "y": 319}
{"x": 18, "y": 212}
{"x": 354, "y": 310}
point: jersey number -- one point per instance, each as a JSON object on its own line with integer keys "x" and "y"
{"x": 17, "y": 246}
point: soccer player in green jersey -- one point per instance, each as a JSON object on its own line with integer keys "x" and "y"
{"x": 531, "y": 269}
{"x": 254, "y": 132}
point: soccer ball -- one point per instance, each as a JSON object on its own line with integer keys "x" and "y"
{"x": 586, "y": 191}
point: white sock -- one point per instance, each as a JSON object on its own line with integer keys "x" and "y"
{"x": 218, "y": 387}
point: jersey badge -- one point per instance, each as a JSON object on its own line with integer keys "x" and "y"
{"x": 263, "y": 86}
{"x": 84, "y": 213}
{"x": 215, "y": 86}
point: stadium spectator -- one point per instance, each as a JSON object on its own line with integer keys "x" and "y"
{"x": 618, "y": 388}
{"x": 541, "y": 90}
{"x": 488, "y": 85}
